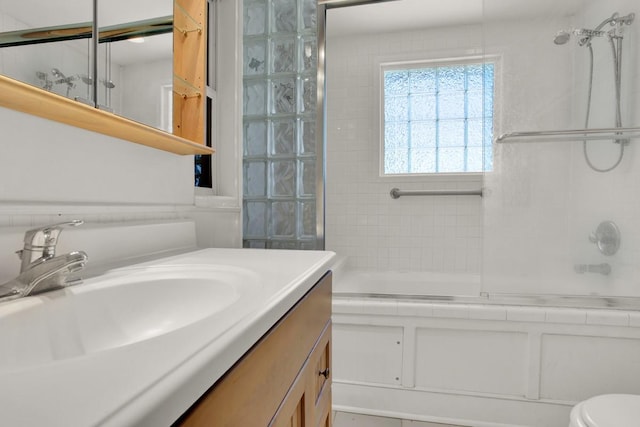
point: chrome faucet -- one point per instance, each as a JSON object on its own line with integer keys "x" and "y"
{"x": 41, "y": 270}
{"x": 40, "y": 243}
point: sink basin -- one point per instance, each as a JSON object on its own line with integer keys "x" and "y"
{"x": 121, "y": 308}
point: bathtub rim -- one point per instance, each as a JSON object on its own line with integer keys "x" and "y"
{"x": 560, "y": 301}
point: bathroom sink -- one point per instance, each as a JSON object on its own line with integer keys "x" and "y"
{"x": 119, "y": 309}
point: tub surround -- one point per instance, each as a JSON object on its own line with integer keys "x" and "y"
{"x": 153, "y": 381}
{"x": 475, "y": 364}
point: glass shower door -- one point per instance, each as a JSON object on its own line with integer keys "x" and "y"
{"x": 548, "y": 196}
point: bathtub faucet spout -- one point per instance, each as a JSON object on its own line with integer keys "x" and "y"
{"x": 603, "y": 268}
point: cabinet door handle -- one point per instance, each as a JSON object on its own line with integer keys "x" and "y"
{"x": 325, "y": 373}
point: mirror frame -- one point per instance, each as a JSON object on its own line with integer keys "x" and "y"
{"x": 189, "y": 108}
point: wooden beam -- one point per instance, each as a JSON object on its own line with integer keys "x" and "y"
{"x": 189, "y": 69}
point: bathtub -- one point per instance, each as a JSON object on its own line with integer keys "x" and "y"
{"x": 431, "y": 347}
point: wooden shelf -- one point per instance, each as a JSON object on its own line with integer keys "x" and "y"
{"x": 32, "y": 100}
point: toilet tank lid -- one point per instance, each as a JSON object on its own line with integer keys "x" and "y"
{"x": 610, "y": 410}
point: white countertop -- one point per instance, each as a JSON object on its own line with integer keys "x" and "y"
{"x": 152, "y": 382}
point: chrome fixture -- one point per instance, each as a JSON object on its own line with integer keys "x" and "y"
{"x": 614, "y": 35}
{"x": 40, "y": 243}
{"x": 586, "y": 35}
{"x": 396, "y": 193}
{"x": 46, "y": 83}
{"x": 41, "y": 270}
{"x": 484, "y": 298}
{"x": 570, "y": 135}
{"x": 606, "y": 237}
{"x": 60, "y": 78}
{"x": 59, "y": 75}
{"x": 88, "y": 80}
{"x": 562, "y": 37}
{"x": 108, "y": 84}
{"x": 604, "y": 268}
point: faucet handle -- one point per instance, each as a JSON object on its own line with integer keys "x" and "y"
{"x": 41, "y": 242}
{"x": 47, "y": 235}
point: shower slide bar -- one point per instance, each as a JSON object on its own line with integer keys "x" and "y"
{"x": 570, "y": 135}
{"x": 396, "y": 193}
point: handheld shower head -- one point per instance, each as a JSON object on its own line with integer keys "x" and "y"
{"x": 58, "y": 74}
{"x": 562, "y": 37}
{"x": 86, "y": 79}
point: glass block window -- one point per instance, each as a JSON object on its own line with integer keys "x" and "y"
{"x": 437, "y": 119}
{"x": 279, "y": 162}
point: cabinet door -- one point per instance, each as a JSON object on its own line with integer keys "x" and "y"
{"x": 325, "y": 420}
{"x": 308, "y": 402}
{"x": 322, "y": 380}
{"x": 295, "y": 409}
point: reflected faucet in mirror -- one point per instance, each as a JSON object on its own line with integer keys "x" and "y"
{"x": 40, "y": 269}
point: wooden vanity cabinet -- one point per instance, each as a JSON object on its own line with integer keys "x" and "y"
{"x": 284, "y": 380}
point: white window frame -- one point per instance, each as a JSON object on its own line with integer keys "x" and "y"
{"x": 425, "y": 60}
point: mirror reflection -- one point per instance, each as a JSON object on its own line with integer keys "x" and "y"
{"x": 51, "y": 49}
{"x": 135, "y": 60}
{"x": 36, "y": 57}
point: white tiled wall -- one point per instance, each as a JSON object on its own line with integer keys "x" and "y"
{"x": 52, "y": 172}
{"x": 541, "y": 203}
{"x": 362, "y": 221}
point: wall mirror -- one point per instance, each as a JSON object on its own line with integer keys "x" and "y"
{"x": 135, "y": 60}
{"x": 50, "y": 48}
{"x": 52, "y": 60}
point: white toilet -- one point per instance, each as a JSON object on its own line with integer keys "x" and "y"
{"x": 607, "y": 410}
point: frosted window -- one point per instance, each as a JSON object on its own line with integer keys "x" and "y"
{"x": 438, "y": 119}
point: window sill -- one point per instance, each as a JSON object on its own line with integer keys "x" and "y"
{"x": 433, "y": 178}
